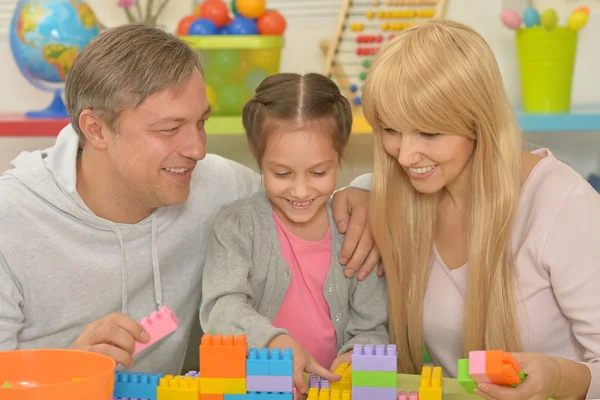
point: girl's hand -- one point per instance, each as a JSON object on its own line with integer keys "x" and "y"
{"x": 543, "y": 374}
{"x": 303, "y": 362}
{"x": 344, "y": 358}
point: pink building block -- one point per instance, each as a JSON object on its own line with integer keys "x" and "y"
{"x": 402, "y": 396}
{"x": 414, "y": 396}
{"x": 158, "y": 325}
{"x": 477, "y": 367}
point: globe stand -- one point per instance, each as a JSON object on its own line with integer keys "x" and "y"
{"x": 56, "y": 109}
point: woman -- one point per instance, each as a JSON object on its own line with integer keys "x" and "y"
{"x": 486, "y": 246}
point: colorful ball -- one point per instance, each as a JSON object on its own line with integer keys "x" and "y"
{"x": 549, "y": 19}
{"x": 531, "y": 17}
{"x": 216, "y": 11}
{"x": 211, "y": 95}
{"x": 224, "y": 61}
{"x": 577, "y": 20}
{"x": 183, "y": 28}
{"x": 266, "y": 59}
{"x": 242, "y": 26}
{"x": 511, "y": 19}
{"x": 231, "y": 99}
{"x": 253, "y": 79}
{"x": 203, "y": 26}
{"x": 584, "y": 9}
{"x": 251, "y": 8}
{"x": 271, "y": 23}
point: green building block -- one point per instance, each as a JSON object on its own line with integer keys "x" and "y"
{"x": 464, "y": 378}
{"x": 6, "y": 385}
{"x": 374, "y": 379}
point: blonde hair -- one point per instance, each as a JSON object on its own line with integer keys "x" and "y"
{"x": 441, "y": 76}
{"x": 121, "y": 67}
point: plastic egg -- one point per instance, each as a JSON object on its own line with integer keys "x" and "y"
{"x": 585, "y": 9}
{"x": 531, "y": 17}
{"x": 511, "y": 19}
{"x": 549, "y": 19}
{"x": 577, "y": 20}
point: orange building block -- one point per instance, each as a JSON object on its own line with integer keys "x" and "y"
{"x": 212, "y": 396}
{"x": 502, "y": 368}
{"x": 223, "y": 357}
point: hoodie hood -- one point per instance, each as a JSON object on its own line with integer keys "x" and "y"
{"x": 58, "y": 164}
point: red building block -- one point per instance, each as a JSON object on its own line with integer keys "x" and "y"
{"x": 223, "y": 357}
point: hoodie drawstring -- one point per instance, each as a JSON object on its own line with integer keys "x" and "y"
{"x": 155, "y": 268}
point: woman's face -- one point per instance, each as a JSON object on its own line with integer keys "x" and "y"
{"x": 432, "y": 161}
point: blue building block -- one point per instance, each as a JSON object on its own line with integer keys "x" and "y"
{"x": 259, "y": 396}
{"x": 136, "y": 385}
{"x": 273, "y": 363}
{"x": 281, "y": 363}
{"x": 257, "y": 363}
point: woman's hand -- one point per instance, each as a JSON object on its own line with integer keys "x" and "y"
{"x": 545, "y": 379}
{"x": 303, "y": 362}
{"x": 344, "y": 358}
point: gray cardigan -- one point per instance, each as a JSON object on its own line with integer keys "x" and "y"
{"x": 246, "y": 278}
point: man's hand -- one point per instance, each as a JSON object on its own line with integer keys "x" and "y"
{"x": 114, "y": 335}
{"x": 303, "y": 362}
{"x": 351, "y": 214}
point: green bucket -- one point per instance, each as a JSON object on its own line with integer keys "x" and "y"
{"x": 546, "y": 63}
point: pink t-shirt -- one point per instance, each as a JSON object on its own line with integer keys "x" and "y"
{"x": 304, "y": 312}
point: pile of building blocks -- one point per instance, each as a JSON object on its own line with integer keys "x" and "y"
{"x": 228, "y": 371}
{"x": 491, "y": 366}
{"x": 158, "y": 325}
{"x": 322, "y": 389}
{"x": 374, "y": 372}
{"x": 431, "y": 385}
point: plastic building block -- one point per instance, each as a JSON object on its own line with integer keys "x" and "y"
{"x": 431, "y": 383}
{"x": 502, "y": 368}
{"x": 345, "y": 371}
{"x": 477, "y": 368}
{"x": 6, "y": 385}
{"x": 408, "y": 396}
{"x": 322, "y": 389}
{"x": 158, "y": 325}
{"x": 265, "y": 362}
{"x": 374, "y": 358}
{"x": 259, "y": 396}
{"x": 257, "y": 362}
{"x": 464, "y": 378}
{"x": 178, "y": 388}
{"x": 372, "y": 393}
{"x": 223, "y": 385}
{"x": 213, "y": 396}
{"x": 281, "y": 362}
{"x": 277, "y": 384}
{"x": 374, "y": 379}
{"x": 413, "y": 396}
{"x": 223, "y": 357}
{"x": 136, "y": 385}
{"x": 194, "y": 374}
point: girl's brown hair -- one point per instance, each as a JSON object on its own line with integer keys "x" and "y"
{"x": 299, "y": 99}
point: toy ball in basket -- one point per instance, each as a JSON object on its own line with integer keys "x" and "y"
{"x": 52, "y": 374}
{"x": 546, "y": 51}
{"x": 239, "y": 45}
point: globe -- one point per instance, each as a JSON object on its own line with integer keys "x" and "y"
{"x": 45, "y": 38}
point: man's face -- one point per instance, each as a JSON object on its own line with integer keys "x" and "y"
{"x": 158, "y": 144}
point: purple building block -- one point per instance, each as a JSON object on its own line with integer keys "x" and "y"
{"x": 370, "y": 393}
{"x": 375, "y": 358}
{"x": 273, "y": 384}
{"x": 193, "y": 374}
{"x": 313, "y": 382}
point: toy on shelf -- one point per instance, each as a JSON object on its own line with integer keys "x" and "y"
{"x": 158, "y": 325}
{"x": 239, "y": 47}
{"x": 492, "y": 366}
{"x": 546, "y": 52}
{"x": 363, "y": 27}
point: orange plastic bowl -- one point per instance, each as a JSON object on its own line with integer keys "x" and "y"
{"x": 48, "y": 374}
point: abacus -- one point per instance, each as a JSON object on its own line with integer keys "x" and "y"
{"x": 363, "y": 27}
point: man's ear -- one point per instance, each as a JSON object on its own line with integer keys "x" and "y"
{"x": 95, "y": 132}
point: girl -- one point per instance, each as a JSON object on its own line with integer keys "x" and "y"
{"x": 271, "y": 270}
{"x": 485, "y": 246}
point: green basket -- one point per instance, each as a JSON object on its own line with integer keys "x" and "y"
{"x": 546, "y": 64}
{"x": 234, "y": 66}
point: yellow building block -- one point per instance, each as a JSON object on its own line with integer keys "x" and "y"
{"x": 223, "y": 385}
{"x": 178, "y": 388}
{"x": 431, "y": 384}
{"x": 345, "y": 371}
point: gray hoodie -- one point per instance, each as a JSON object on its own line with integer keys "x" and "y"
{"x": 62, "y": 267}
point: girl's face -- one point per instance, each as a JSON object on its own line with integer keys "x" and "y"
{"x": 432, "y": 161}
{"x": 299, "y": 168}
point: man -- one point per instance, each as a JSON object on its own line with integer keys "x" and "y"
{"x": 110, "y": 223}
